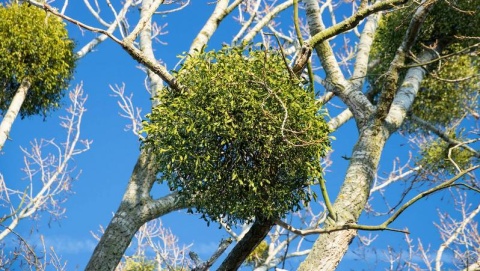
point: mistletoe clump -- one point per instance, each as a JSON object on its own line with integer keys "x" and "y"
{"x": 243, "y": 139}
{"x": 34, "y": 46}
{"x": 440, "y": 155}
{"x": 450, "y": 89}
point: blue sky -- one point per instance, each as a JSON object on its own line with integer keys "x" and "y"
{"x": 105, "y": 168}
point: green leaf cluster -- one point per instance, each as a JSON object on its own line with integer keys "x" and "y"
{"x": 139, "y": 263}
{"x": 451, "y": 87}
{"x": 258, "y": 255}
{"x": 34, "y": 46}
{"x": 448, "y": 92}
{"x": 435, "y": 155}
{"x": 243, "y": 140}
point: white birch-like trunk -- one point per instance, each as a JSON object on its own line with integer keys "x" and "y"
{"x": 329, "y": 249}
{"x": 210, "y": 26}
{"x": 13, "y": 111}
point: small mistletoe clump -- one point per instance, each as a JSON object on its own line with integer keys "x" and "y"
{"x": 243, "y": 140}
{"x": 34, "y": 46}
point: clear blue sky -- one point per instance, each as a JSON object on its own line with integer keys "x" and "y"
{"x": 108, "y": 165}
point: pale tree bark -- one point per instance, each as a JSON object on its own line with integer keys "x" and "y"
{"x": 336, "y": 82}
{"x": 12, "y": 112}
{"x": 210, "y": 26}
{"x": 329, "y": 248}
{"x": 266, "y": 19}
{"x": 155, "y": 82}
{"x": 137, "y": 206}
{"x": 49, "y": 175}
{"x": 51, "y": 178}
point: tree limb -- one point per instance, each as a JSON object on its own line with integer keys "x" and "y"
{"x": 134, "y": 52}
{"x": 389, "y": 88}
{"x": 247, "y": 244}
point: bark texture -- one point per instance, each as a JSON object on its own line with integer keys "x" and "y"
{"x": 330, "y": 248}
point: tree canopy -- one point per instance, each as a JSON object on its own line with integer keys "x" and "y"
{"x": 239, "y": 135}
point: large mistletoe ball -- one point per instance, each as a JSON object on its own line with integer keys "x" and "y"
{"x": 243, "y": 140}
{"x": 34, "y": 46}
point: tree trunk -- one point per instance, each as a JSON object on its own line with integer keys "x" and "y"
{"x": 330, "y": 248}
{"x": 249, "y": 242}
{"x": 12, "y": 111}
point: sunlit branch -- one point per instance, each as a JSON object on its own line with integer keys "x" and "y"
{"x": 353, "y": 21}
{"x": 202, "y": 266}
{"x": 95, "y": 13}
{"x": 153, "y": 80}
{"x": 183, "y": 4}
{"x": 360, "y": 67}
{"x": 53, "y": 171}
{"x": 128, "y": 111}
{"x": 337, "y": 228}
{"x": 12, "y": 112}
{"x": 335, "y": 81}
{"x": 430, "y": 191}
{"x": 394, "y": 179}
{"x": 454, "y": 236}
{"x": 407, "y": 93}
{"x": 49, "y": 176}
{"x": 146, "y": 17}
{"x": 31, "y": 252}
{"x": 280, "y": 35}
{"x": 246, "y": 25}
{"x": 129, "y": 47}
{"x": 296, "y": 24}
{"x": 339, "y": 120}
{"x": 465, "y": 50}
{"x": 384, "y": 225}
{"x": 64, "y": 7}
{"x": 111, "y": 28}
{"x": 210, "y": 27}
{"x": 265, "y": 20}
{"x": 326, "y": 198}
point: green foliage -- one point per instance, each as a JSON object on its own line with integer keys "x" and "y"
{"x": 137, "y": 263}
{"x": 448, "y": 92}
{"x": 435, "y": 155}
{"x": 244, "y": 140}
{"x": 451, "y": 87}
{"x": 259, "y": 254}
{"x": 34, "y": 46}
